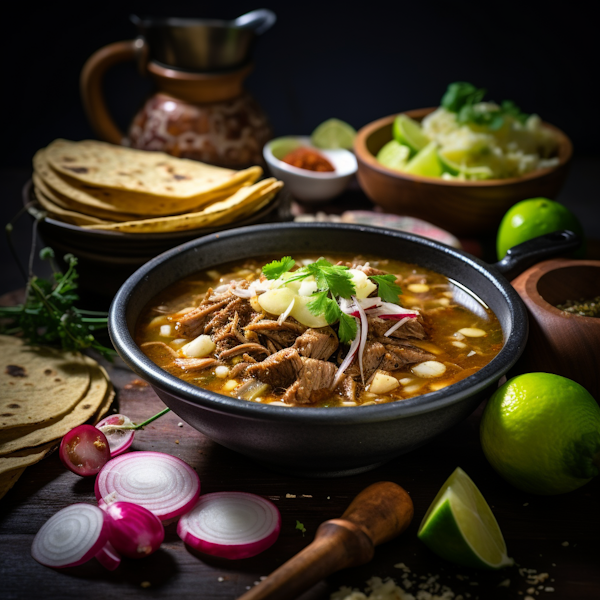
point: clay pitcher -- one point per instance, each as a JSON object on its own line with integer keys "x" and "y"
{"x": 200, "y": 109}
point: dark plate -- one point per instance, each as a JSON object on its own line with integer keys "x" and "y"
{"x": 108, "y": 258}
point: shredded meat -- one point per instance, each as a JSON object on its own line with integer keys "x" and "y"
{"x": 278, "y": 370}
{"x": 372, "y": 357}
{"x": 315, "y": 376}
{"x": 317, "y": 343}
{"x": 195, "y": 364}
{"x": 411, "y": 329}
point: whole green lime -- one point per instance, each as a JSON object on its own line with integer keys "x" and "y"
{"x": 534, "y": 217}
{"x": 541, "y": 432}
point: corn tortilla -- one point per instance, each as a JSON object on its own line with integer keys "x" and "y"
{"x": 24, "y": 458}
{"x": 99, "y": 392}
{"x": 244, "y": 198}
{"x": 140, "y": 171}
{"x": 38, "y": 384}
{"x": 105, "y": 202}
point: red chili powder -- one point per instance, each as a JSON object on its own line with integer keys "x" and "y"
{"x": 305, "y": 158}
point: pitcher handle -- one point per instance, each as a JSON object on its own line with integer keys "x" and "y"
{"x": 92, "y": 93}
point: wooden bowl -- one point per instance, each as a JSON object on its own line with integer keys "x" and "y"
{"x": 464, "y": 208}
{"x": 560, "y": 342}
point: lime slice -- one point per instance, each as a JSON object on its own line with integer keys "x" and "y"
{"x": 407, "y": 131}
{"x": 460, "y": 527}
{"x": 461, "y": 171}
{"x": 394, "y": 155}
{"x": 332, "y": 134}
{"x": 425, "y": 162}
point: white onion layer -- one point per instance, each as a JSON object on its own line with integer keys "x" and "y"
{"x": 164, "y": 484}
{"x": 71, "y": 537}
{"x": 230, "y": 525}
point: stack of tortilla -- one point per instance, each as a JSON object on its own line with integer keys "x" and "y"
{"x": 44, "y": 393}
{"x": 103, "y": 186}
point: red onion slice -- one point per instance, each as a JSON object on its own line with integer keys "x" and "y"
{"x": 396, "y": 326}
{"x": 231, "y": 525}
{"x": 71, "y": 537}
{"x": 349, "y": 357}
{"x": 364, "y": 326}
{"x": 134, "y": 531}
{"x": 119, "y": 440}
{"x": 108, "y": 557}
{"x": 164, "y": 484}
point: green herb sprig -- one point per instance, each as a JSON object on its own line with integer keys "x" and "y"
{"x": 333, "y": 281}
{"x": 462, "y": 97}
{"x": 48, "y": 316}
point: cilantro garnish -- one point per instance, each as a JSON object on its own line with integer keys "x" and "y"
{"x": 388, "y": 288}
{"x": 333, "y": 281}
{"x": 275, "y": 269}
{"x": 462, "y": 97}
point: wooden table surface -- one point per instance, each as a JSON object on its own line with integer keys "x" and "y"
{"x": 557, "y": 536}
{"x": 554, "y": 540}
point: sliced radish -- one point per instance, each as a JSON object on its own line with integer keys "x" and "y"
{"x": 71, "y": 537}
{"x": 162, "y": 483}
{"x": 134, "y": 531}
{"x": 119, "y": 440}
{"x": 84, "y": 450}
{"x": 231, "y": 525}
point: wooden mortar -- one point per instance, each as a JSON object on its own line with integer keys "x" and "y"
{"x": 561, "y": 342}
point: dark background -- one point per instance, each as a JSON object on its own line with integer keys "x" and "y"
{"x": 355, "y": 61}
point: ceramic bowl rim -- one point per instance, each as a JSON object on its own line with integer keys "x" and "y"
{"x": 364, "y": 155}
{"x": 272, "y": 160}
{"x": 204, "y": 399}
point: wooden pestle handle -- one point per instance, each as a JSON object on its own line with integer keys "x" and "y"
{"x": 378, "y": 514}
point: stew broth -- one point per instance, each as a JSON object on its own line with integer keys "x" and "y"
{"x": 453, "y": 336}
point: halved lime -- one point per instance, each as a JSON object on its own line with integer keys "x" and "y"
{"x": 460, "y": 527}
{"x": 408, "y": 131}
{"x": 332, "y": 134}
{"x": 425, "y": 162}
{"x": 394, "y": 155}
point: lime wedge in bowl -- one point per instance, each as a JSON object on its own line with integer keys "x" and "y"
{"x": 460, "y": 527}
{"x": 393, "y": 155}
{"x": 333, "y": 134}
{"x": 461, "y": 170}
{"x": 425, "y": 162}
{"x": 407, "y": 131}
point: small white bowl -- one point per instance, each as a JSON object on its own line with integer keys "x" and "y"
{"x": 305, "y": 185}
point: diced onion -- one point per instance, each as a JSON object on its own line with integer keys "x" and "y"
{"x": 164, "y": 484}
{"x": 222, "y": 371}
{"x": 231, "y": 525}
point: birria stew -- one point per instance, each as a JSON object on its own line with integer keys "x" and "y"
{"x": 319, "y": 331}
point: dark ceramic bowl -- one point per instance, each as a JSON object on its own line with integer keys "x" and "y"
{"x": 326, "y": 441}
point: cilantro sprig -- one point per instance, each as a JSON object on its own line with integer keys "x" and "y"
{"x": 275, "y": 269}
{"x": 462, "y": 97}
{"x": 49, "y": 316}
{"x": 388, "y": 288}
